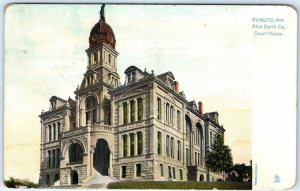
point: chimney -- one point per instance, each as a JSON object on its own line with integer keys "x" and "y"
{"x": 200, "y": 107}
{"x": 176, "y": 86}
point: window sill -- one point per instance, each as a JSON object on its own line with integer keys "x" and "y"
{"x": 74, "y": 163}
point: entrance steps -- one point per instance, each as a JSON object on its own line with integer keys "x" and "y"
{"x": 97, "y": 181}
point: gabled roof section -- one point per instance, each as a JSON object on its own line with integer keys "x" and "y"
{"x": 131, "y": 69}
{"x": 57, "y": 98}
{"x": 163, "y": 75}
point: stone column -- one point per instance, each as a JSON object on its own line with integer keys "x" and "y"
{"x": 43, "y": 130}
{"x": 112, "y": 112}
{"x": 77, "y": 111}
{"x": 67, "y": 121}
{"x": 151, "y": 102}
{"x": 110, "y": 172}
{"x": 92, "y": 151}
{"x": 56, "y": 135}
{"x": 101, "y": 117}
{"x": 144, "y": 108}
{"x": 135, "y": 143}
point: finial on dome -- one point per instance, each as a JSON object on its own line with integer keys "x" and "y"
{"x": 102, "y": 17}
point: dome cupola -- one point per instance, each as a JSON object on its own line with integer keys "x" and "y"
{"x": 102, "y": 33}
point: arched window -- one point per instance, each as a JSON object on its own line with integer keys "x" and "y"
{"x": 91, "y": 110}
{"x": 95, "y": 57}
{"x": 75, "y": 153}
{"x": 188, "y": 128}
{"x": 201, "y": 178}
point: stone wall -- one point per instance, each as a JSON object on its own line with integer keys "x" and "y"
{"x": 65, "y": 176}
{"x": 82, "y": 172}
{"x": 147, "y": 171}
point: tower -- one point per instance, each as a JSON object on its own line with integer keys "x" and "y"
{"x": 100, "y": 77}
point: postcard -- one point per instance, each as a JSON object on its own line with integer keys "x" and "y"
{"x": 132, "y": 96}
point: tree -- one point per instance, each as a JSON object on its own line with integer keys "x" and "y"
{"x": 15, "y": 183}
{"x": 220, "y": 158}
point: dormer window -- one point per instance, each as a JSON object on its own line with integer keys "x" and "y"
{"x": 128, "y": 78}
{"x": 53, "y": 105}
{"x": 133, "y": 76}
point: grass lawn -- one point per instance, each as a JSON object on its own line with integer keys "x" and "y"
{"x": 180, "y": 185}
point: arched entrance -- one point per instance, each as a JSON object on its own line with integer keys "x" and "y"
{"x": 101, "y": 157}
{"x": 201, "y": 178}
{"x": 74, "y": 177}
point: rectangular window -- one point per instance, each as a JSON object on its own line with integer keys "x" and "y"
{"x": 54, "y": 132}
{"x": 172, "y": 147}
{"x": 210, "y": 137}
{"x": 94, "y": 116}
{"x": 58, "y": 129}
{"x": 49, "y": 159}
{"x": 132, "y": 111}
{"x": 158, "y": 108}
{"x": 180, "y": 173}
{"x": 179, "y": 150}
{"x": 161, "y": 170}
{"x": 57, "y": 164}
{"x": 50, "y": 133}
{"x": 187, "y": 157}
{"x": 215, "y": 138}
{"x": 87, "y": 117}
{"x": 140, "y": 142}
{"x": 167, "y": 113}
{"x": 159, "y": 143}
{"x": 178, "y": 120}
{"x": 47, "y": 179}
{"x": 138, "y": 168}
{"x": 131, "y": 144}
{"x": 170, "y": 172}
{"x": 174, "y": 173}
{"x": 123, "y": 172}
{"x": 196, "y": 160}
{"x": 199, "y": 159}
{"x": 125, "y": 113}
{"x": 168, "y": 146}
{"x": 56, "y": 177}
{"x": 171, "y": 115}
{"x": 140, "y": 109}
{"x": 125, "y": 145}
{"x": 53, "y": 159}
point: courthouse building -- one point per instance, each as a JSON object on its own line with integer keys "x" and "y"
{"x": 144, "y": 129}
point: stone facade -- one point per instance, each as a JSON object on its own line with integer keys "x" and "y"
{"x": 144, "y": 129}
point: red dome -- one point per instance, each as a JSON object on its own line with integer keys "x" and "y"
{"x": 102, "y": 33}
